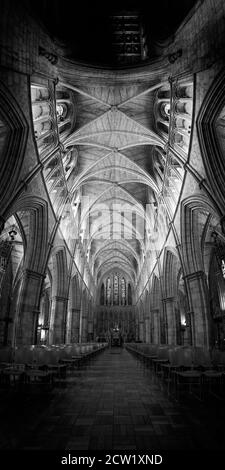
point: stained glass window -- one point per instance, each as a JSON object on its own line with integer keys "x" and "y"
{"x": 129, "y": 295}
{"x": 223, "y": 268}
{"x": 123, "y": 291}
{"x": 116, "y": 290}
{"x": 108, "y": 291}
{"x": 59, "y": 110}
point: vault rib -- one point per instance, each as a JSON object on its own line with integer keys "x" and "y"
{"x": 84, "y": 93}
{"x": 142, "y": 93}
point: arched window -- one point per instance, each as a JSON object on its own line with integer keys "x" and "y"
{"x": 69, "y": 161}
{"x": 102, "y": 296}
{"x": 116, "y": 290}
{"x": 54, "y": 178}
{"x": 162, "y": 111}
{"x": 61, "y": 111}
{"x": 123, "y": 291}
{"x": 108, "y": 291}
{"x": 44, "y": 131}
{"x": 129, "y": 295}
{"x": 173, "y": 113}
{"x": 65, "y": 111}
{"x": 182, "y": 114}
{"x": 11, "y": 264}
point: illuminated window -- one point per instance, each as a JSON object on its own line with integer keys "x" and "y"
{"x": 61, "y": 111}
{"x": 123, "y": 291}
{"x": 167, "y": 109}
{"x": 223, "y": 268}
{"x": 129, "y": 295}
{"x": 108, "y": 291}
{"x": 42, "y": 118}
{"x": 116, "y": 290}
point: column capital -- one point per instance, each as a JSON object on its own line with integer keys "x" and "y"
{"x": 36, "y": 311}
{"x": 194, "y": 276}
{"x": 190, "y": 313}
{"x": 168, "y": 299}
{"x": 178, "y": 245}
{"x": 34, "y": 274}
{"x": 59, "y": 298}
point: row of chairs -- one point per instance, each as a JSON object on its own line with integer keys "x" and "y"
{"x": 42, "y": 364}
{"x": 183, "y": 369}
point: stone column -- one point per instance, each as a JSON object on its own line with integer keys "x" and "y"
{"x": 68, "y": 325}
{"x": 58, "y": 320}
{"x": 26, "y": 318}
{"x": 5, "y": 256}
{"x": 95, "y": 323}
{"x": 5, "y": 299}
{"x": 141, "y": 331}
{"x": 188, "y": 336}
{"x": 2, "y": 224}
{"x": 147, "y": 330}
{"x": 137, "y": 334}
{"x": 83, "y": 321}
{"x": 91, "y": 323}
{"x": 155, "y": 319}
{"x": 169, "y": 310}
{"x": 198, "y": 291}
{"x": 36, "y": 329}
{"x": 75, "y": 325}
{"x": 90, "y": 330}
{"x": 151, "y": 327}
{"x": 105, "y": 293}
{"x": 162, "y": 325}
{"x": 141, "y": 327}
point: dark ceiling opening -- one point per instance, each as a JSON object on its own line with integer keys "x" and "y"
{"x": 86, "y": 27}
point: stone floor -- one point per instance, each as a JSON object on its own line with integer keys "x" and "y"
{"x": 113, "y": 403}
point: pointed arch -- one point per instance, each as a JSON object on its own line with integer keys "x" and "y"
{"x": 209, "y": 139}
{"x": 190, "y": 240}
{"x": 11, "y": 158}
{"x": 171, "y": 265}
{"x": 60, "y": 272}
{"x": 37, "y": 244}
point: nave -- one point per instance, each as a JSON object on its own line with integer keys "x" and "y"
{"x": 113, "y": 402}
{"x": 112, "y": 226}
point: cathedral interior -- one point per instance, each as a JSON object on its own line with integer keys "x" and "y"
{"x": 112, "y": 225}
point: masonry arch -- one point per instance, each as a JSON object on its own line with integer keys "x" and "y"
{"x": 196, "y": 213}
{"x": 211, "y": 133}
{"x": 13, "y": 139}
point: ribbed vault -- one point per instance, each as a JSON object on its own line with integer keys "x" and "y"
{"x": 114, "y": 178}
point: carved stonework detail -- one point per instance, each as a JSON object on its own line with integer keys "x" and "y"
{"x": 48, "y": 55}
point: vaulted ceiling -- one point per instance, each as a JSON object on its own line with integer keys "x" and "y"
{"x": 114, "y": 179}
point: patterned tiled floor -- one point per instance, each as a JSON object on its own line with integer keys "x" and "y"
{"x": 113, "y": 403}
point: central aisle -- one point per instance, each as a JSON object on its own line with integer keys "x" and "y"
{"x": 112, "y": 404}
{"x": 116, "y": 404}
